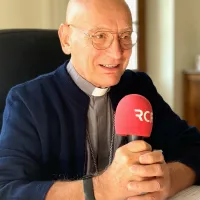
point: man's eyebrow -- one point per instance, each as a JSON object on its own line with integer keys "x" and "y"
{"x": 102, "y": 28}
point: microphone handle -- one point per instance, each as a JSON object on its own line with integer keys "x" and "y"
{"x": 134, "y": 137}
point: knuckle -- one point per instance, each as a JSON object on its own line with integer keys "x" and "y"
{"x": 159, "y": 169}
{"x": 122, "y": 155}
{"x": 144, "y": 145}
{"x": 137, "y": 186}
{"x": 125, "y": 159}
{"x": 161, "y": 182}
{"x": 143, "y": 170}
{"x": 118, "y": 151}
{"x": 162, "y": 157}
{"x": 151, "y": 197}
{"x": 157, "y": 185}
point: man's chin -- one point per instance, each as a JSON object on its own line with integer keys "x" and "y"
{"x": 110, "y": 82}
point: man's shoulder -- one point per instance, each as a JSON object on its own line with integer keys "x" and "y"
{"x": 39, "y": 85}
{"x": 33, "y": 86}
{"x": 133, "y": 77}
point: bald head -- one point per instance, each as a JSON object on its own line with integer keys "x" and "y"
{"x": 77, "y": 9}
{"x": 95, "y": 18}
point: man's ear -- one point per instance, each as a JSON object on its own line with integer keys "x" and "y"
{"x": 63, "y": 33}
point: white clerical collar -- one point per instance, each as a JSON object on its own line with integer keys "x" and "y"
{"x": 83, "y": 84}
{"x": 97, "y": 92}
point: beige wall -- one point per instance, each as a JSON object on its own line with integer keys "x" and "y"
{"x": 173, "y": 40}
{"x": 32, "y": 13}
{"x": 187, "y": 42}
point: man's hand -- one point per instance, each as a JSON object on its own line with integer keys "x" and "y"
{"x": 113, "y": 183}
{"x": 158, "y": 184}
{"x": 134, "y": 171}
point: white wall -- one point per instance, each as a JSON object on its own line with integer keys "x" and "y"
{"x": 32, "y": 13}
{"x": 173, "y": 40}
{"x": 160, "y": 46}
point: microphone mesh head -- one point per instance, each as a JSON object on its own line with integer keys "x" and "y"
{"x": 134, "y": 116}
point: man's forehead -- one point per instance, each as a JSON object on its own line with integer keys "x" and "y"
{"x": 89, "y": 5}
{"x": 93, "y": 14}
{"x": 95, "y": 3}
{"x": 92, "y": 1}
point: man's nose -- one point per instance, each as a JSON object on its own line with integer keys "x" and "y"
{"x": 115, "y": 50}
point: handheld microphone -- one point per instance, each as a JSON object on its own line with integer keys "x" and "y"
{"x": 134, "y": 117}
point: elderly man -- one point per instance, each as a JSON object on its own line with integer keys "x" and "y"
{"x": 58, "y": 140}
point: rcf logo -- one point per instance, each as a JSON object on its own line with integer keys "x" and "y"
{"x": 144, "y": 116}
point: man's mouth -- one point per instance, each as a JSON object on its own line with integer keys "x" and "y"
{"x": 109, "y": 66}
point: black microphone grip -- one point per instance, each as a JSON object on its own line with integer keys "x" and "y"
{"x": 134, "y": 137}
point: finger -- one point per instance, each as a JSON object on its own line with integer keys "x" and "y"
{"x": 148, "y": 170}
{"x": 138, "y": 146}
{"x": 154, "y": 185}
{"x": 139, "y": 178}
{"x": 125, "y": 157}
{"x": 148, "y": 196}
{"x": 152, "y": 157}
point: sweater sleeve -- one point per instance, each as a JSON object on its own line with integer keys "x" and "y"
{"x": 179, "y": 141}
{"x": 20, "y": 153}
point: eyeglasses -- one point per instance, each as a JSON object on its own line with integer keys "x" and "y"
{"x": 103, "y": 39}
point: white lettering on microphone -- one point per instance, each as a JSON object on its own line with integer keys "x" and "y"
{"x": 144, "y": 116}
{"x": 139, "y": 115}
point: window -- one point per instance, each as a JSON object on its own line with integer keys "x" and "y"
{"x": 133, "y": 64}
{"x": 137, "y": 60}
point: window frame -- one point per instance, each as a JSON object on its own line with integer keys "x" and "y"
{"x": 141, "y": 51}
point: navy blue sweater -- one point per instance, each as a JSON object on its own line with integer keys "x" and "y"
{"x": 43, "y": 134}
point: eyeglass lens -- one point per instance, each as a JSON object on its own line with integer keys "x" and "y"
{"x": 102, "y": 40}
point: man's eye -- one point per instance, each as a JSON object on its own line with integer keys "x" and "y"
{"x": 100, "y": 36}
{"x": 126, "y": 36}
